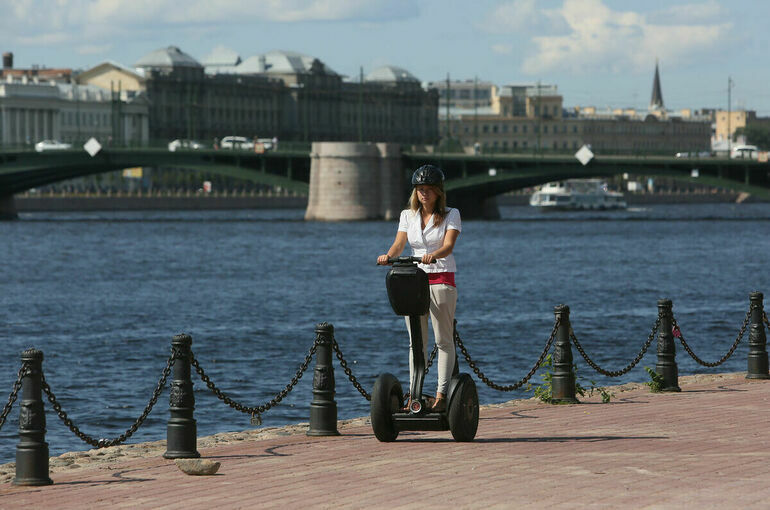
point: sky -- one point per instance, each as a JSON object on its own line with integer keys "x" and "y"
{"x": 598, "y": 53}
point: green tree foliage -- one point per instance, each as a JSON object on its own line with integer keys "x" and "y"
{"x": 758, "y": 135}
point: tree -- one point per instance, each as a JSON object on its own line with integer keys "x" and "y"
{"x": 756, "y": 134}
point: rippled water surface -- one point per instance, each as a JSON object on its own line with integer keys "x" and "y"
{"x": 102, "y": 294}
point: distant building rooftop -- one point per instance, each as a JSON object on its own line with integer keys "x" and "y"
{"x": 282, "y": 62}
{"x": 170, "y": 56}
{"x": 391, "y": 74}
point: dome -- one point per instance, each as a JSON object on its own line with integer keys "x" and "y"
{"x": 391, "y": 73}
{"x": 282, "y": 62}
{"x": 167, "y": 57}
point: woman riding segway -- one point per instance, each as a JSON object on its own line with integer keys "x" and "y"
{"x": 431, "y": 229}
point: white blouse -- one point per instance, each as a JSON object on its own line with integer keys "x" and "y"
{"x": 431, "y": 238}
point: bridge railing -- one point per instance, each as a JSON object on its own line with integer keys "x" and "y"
{"x": 32, "y": 465}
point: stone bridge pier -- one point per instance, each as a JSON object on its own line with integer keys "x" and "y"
{"x": 355, "y": 181}
{"x": 8, "y": 208}
{"x": 368, "y": 181}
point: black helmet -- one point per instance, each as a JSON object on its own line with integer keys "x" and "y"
{"x": 428, "y": 174}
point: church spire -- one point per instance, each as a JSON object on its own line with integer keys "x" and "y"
{"x": 656, "y": 103}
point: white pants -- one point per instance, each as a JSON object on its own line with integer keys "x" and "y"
{"x": 443, "y": 301}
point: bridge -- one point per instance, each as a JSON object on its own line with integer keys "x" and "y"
{"x": 473, "y": 181}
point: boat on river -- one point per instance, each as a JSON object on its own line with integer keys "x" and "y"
{"x": 575, "y": 195}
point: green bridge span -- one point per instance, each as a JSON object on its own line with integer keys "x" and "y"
{"x": 472, "y": 180}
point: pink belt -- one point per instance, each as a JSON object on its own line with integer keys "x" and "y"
{"x": 445, "y": 278}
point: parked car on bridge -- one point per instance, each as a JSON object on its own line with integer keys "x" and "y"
{"x": 693, "y": 154}
{"x": 744, "y": 152}
{"x": 236, "y": 142}
{"x": 184, "y": 145}
{"x": 52, "y": 145}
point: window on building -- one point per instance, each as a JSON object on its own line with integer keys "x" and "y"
{"x": 524, "y": 128}
{"x": 515, "y": 128}
{"x": 545, "y": 129}
{"x": 485, "y": 129}
{"x": 494, "y": 128}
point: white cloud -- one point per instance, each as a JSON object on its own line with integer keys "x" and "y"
{"x": 520, "y": 16}
{"x": 601, "y": 39}
{"x": 98, "y": 22}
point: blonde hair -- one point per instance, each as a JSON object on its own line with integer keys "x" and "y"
{"x": 439, "y": 209}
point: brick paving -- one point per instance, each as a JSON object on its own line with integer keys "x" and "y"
{"x": 706, "y": 447}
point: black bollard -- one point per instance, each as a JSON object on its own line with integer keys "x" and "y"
{"x": 666, "y": 366}
{"x": 563, "y": 379}
{"x": 323, "y": 408}
{"x": 32, "y": 450}
{"x": 181, "y": 431}
{"x": 758, "y": 366}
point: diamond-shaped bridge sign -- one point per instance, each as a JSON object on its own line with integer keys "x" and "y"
{"x": 584, "y": 155}
{"x": 92, "y": 146}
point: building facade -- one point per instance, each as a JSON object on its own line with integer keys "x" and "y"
{"x": 532, "y": 118}
{"x": 34, "y": 110}
{"x": 279, "y": 94}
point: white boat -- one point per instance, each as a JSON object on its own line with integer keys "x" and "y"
{"x": 577, "y": 194}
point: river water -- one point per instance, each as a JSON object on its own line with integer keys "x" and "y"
{"x": 102, "y": 294}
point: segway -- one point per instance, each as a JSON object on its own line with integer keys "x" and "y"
{"x": 408, "y": 293}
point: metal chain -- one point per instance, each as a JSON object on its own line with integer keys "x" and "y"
{"x": 348, "y": 372}
{"x": 257, "y": 410}
{"x": 431, "y": 358}
{"x": 726, "y": 356}
{"x": 14, "y": 393}
{"x": 615, "y": 373}
{"x": 526, "y": 378}
{"x": 103, "y": 443}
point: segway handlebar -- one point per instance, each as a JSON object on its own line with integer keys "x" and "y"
{"x": 404, "y": 260}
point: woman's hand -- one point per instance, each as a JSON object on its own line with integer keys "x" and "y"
{"x": 428, "y": 258}
{"x": 382, "y": 260}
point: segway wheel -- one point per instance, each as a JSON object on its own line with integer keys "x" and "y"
{"x": 463, "y": 411}
{"x": 386, "y": 400}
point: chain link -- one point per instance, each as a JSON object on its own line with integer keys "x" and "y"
{"x": 431, "y": 358}
{"x": 348, "y": 371}
{"x": 257, "y": 410}
{"x": 723, "y": 358}
{"x": 14, "y": 394}
{"x": 103, "y": 443}
{"x": 524, "y": 380}
{"x": 615, "y": 373}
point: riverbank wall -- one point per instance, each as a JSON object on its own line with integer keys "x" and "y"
{"x": 179, "y": 202}
{"x": 191, "y": 202}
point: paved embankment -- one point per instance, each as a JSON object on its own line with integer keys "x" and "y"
{"x": 706, "y": 447}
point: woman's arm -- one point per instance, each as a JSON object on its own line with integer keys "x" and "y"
{"x": 446, "y": 249}
{"x": 395, "y": 250}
